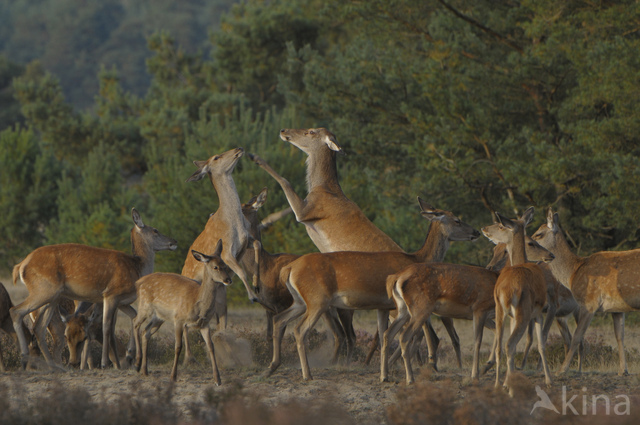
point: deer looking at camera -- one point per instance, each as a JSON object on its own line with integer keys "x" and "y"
{"x": 170, "y": 296}
{"x": 333, "y": 221}
{"x": 354, "y": 280}
{"x": 86, "y": 273}
{"x": 227, "y": 223}
{"x": 604, "y": 281}
{"x": 520, "y": 291}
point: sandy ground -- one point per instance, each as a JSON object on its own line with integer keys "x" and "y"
{"x": 354, "y": 387}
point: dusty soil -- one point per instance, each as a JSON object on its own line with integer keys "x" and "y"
{"x": 355, "y": 387}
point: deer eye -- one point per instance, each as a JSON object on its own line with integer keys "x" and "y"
{"x": 312, "y": 132}
{"x": 217, "y": 157}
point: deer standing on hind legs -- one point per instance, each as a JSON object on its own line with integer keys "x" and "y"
{"x": 333, "y": 221}
{"x": 170, "y": 296}
{"x": 355, "y": 280}
{"x": 604, "y": 281}
{"x": 86, "y": 273}
{"x": 521, "y": 291}
{"x": 227, "y": 223}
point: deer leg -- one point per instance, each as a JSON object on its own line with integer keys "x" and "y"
{"x": 453, "y": 335}
{"x": 40, "y": 329}
{"x": 297, "y": 204}
{"x": 332, "y": 319}
{"x": 433, "y": 342}
{"x": 151, "y": 328}
{"x": 108, "y": 334}
{"x": 412, "y": 328}
{"x": 528, "y": 345}
{"x": 33, "y": 302}
{"x": 206, "y": 335}
{"x": 563, "y": 327}
{"x": 131, "y": 346}
{"x": 280, "y": 321}
{"x": 479, "y": 319}
{"x": 618, "y": 330}
{"x": 585, "y": 320}
{"x": 497, "y": 346}
{"x": 237, "y": 268}
{"x": 307, "y": 322}
{"x": 220, "y": 310}
{"x": 402, "y": 318}
{"x": 541, "y": 347}
{"x": 346, "y": 320}
{"x": 521, "y": 324}
{"x": 372, "y": 348}
{"x": 178, "y": 329}
{"x": 257, "y": 247}
{"x": 85, "y": 360}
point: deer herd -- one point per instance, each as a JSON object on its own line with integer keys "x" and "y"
{"x": 76, "y": 289}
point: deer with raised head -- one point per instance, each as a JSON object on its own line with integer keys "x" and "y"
{"x": 355, "y": 280}
{"x": 170, "y": 296}
{"x": 520, "y": 291}
{"x": 450, "y": 290}
{"x": 227, "y": 223}
{"x": 332, "y": 220}
{"x": 604, "y": 281}
{"x": 560, "y": 303}
{"x": 87, "y": 273}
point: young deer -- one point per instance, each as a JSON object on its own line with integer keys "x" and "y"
{"x": 604, "y": 281}
{"x": 450, "y": 290}
{"x": 86, "y": 273}
{"x": 227, "y": 223}
{"x": 273, "y": 294}
{"x": 521, "y": 291}
{"x": 560, "y": 302}
{"x": 333, "y": 221}
{"x": 81, "y": 328}
{"x": 354, "y": 280}
{"x": 169, "y": 296}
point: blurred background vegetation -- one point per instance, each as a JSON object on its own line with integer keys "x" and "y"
{"x": 476, "y": 106}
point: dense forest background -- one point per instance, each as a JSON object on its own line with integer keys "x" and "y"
{"x": 476, "y": 106}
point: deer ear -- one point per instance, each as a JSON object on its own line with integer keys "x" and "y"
{"x": 200, "y": 172}
{"x": 527, "y": 217}
{"x": 135, "y": 215}
{"x": 550, "y": 219}
{"x": 332, "y": 143}
{"x": 556, "y": 223}
{"x": 506, "y": 222}
{"x": 260, "y": 199}
{"x": 200, "y": 256}
{"x": 218, "y": 249}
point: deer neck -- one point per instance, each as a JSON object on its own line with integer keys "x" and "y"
{"x": 207, "y": 293}
{"x": 516, "y": 250}
{"x": 565, "y": 262}
{"x": 228, "y": 200}
{"x": 435, "y": 245}
{"x": 322, "y": 171}
{"x": 144, "y": 253}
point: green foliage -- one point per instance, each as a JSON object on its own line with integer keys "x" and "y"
{"x": 9, "y": 107}
{"x": 476, "y": 107}
{"x": 28, "y": 193}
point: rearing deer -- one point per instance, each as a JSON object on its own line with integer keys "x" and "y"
{"x": 228, "y": 224}
{"x": 521, "y": 291}
{"x": 170, "y": 296}
{"x": 355, "y": 280}
{"x": 87, "y": 273}
{"x": 604, "y": 281}
{"x": 333, "y": 221}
